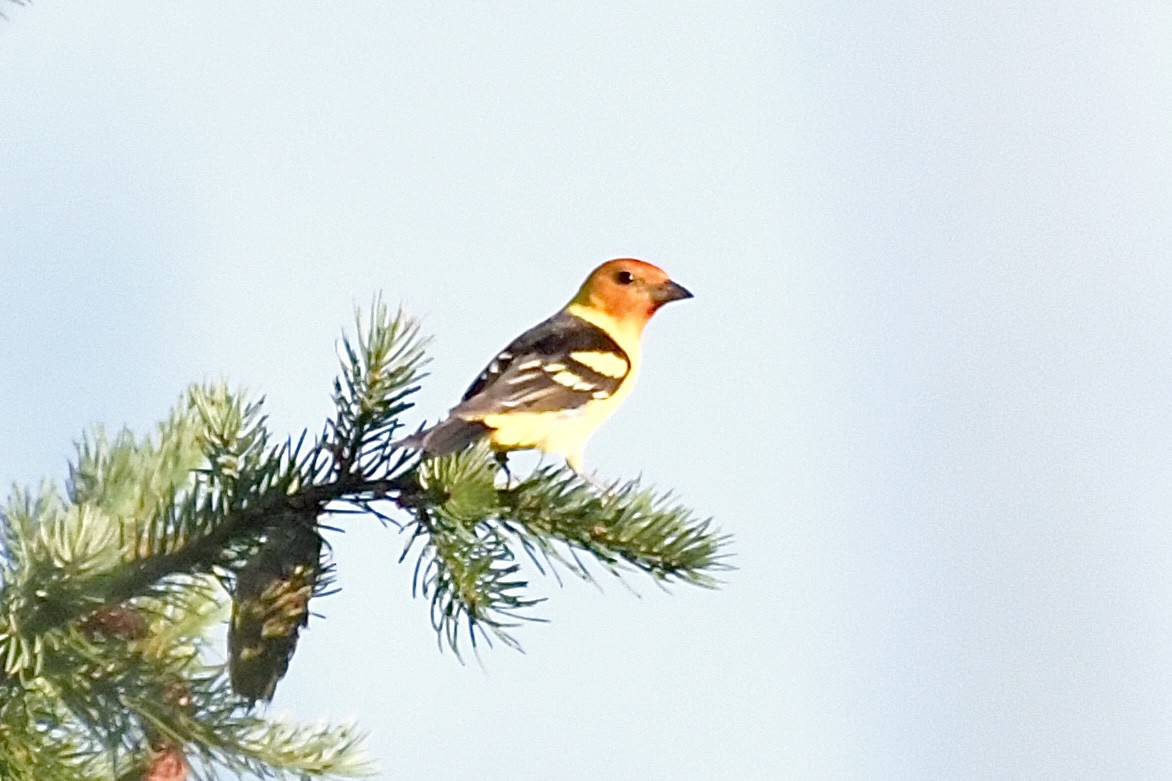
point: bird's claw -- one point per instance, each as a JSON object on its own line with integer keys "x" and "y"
{"x": 502, "y": 460}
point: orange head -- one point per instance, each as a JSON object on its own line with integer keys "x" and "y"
{"x": 629, "y": 290}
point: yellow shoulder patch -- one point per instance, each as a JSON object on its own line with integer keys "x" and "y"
{"x": 566, "y": 378}
{"x": 605, "y": 363}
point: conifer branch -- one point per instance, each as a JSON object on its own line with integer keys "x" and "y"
{"x": 465, "y": 568}
{"x": 469, "y": 569}
{"x": 626, "y": 524}
{"x": 108, "y": 591}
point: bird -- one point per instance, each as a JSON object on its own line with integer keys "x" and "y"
{"x": 553, "y": 385}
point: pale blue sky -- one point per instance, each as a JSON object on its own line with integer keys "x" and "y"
{"x": 924, "y": 382}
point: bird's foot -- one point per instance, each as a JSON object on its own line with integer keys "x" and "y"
{"x": 502, "y": 460}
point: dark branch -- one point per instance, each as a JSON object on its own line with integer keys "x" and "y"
{"x": 207, "y": 552}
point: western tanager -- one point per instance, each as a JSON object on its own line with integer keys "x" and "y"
{"x": 554, "y": 384}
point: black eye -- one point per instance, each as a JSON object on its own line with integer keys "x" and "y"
{"x": 624, "y": 277}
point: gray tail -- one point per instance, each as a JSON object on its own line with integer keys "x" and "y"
{"x": 450, "y": 436}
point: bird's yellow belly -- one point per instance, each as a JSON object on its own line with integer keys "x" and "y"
{"x": 549, "y": 431}
{"x": 563, "y": 432}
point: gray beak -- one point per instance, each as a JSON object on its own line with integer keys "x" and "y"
{"x": 670, "y": 291}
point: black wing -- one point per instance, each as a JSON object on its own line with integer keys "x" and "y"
{"x": 561, "y": 363}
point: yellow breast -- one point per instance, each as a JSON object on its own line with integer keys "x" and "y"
{"x": 565, "y": 432}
